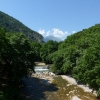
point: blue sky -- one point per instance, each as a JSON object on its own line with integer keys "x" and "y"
{"x": 59, "y": 18}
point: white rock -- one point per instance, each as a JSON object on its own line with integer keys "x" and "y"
{"x": 75, "y": 98}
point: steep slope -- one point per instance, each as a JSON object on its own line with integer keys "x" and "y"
{"x": 13, "y": 25}
{"x": 79, "y": 56}
{"x": 47, "y": 38}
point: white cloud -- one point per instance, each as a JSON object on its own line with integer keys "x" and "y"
{"x": 66, "y": 33}
{"x": 41, "y": 31}
{"x": 47, "y": 33}
{"x": 55, "y": 32}
{"x": 73, "y": 32}
{"x": 60, "y": 34}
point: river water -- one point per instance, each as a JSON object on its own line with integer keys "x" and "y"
{"x": 68, "y": 92}
{"x": 36, "y": 88}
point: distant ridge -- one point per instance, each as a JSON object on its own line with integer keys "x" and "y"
{"x": 13, "y": 25}
{"x": 50, "y": 37}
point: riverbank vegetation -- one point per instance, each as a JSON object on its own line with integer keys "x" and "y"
{"x": 78, "y": 55}
{"x": 17, "y": 57}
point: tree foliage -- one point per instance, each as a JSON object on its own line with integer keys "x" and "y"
{"x": 79, "y": 56}
{"x": 47, "y": 49}
{"x": 36, "y": 46}
{"x": 17, "y": 57}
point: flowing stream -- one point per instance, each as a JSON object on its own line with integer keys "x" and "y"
{"x": 43, "y": 85}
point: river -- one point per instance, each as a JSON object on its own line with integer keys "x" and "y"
{"x": 44, "y": 85}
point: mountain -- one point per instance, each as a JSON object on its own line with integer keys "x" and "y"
{"x": 11, "y": 24}
{"x": 50, "y": 37}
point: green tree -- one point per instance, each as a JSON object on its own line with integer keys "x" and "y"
{"x": 36, "y": 46}
{"x": 79, "y": 56}
{"x": 19, "y": 56}
{"x": 16, "y": 59}
{"x": 47, "y": 49}
{"x": 57, "y": 58}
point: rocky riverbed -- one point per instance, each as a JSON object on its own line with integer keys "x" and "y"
{"x": 48, "y": 86}
{"x": 44, "y": 75}
{"x": 36, "y": 84}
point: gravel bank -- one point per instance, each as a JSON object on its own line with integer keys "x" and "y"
{"x": 74, "y": 82}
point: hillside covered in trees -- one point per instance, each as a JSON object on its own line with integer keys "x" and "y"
{"x": 79, "y": 56}
{"x": 13, "y": 25}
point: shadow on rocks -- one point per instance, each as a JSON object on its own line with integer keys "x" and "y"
{"x": 34, "y": 88}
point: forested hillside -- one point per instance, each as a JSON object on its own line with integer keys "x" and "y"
{"x": 13, "y": 25}
{"x": 17, "y": 57}
{"x": 79, "y": 56}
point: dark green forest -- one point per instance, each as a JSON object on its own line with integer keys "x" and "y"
{"x": 12, "y": 25}
{"x": 78, "y": 56}
{"x": 17, "y": 57}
